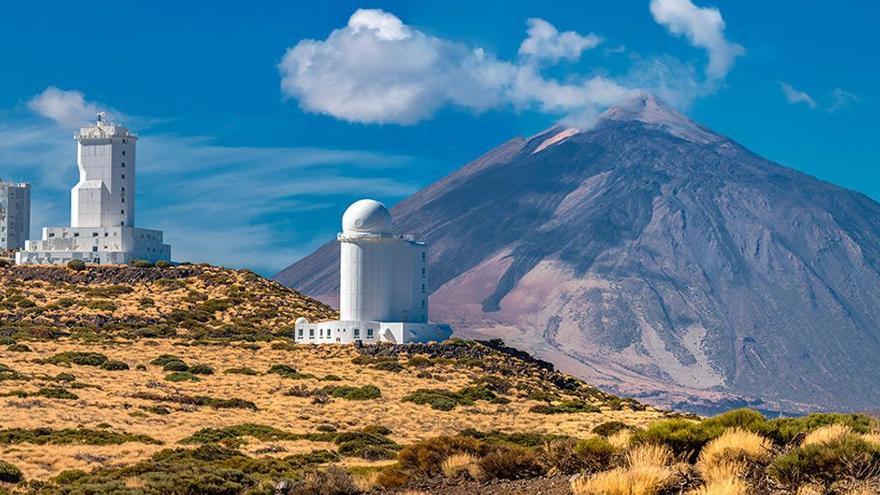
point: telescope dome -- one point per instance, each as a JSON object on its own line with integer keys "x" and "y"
{"x": 366, "y": 216}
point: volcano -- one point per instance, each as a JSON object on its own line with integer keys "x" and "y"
{"x": 656, "y": 258}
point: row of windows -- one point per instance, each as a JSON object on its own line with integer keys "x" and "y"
{"x": 356, "y": 332}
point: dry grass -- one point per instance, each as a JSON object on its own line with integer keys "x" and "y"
{"x": 726, "y": 486}
{"x": 872, "y": 438}
{"x": 827, "y": 434}
{"x": 729, "y": 455}
{"x": 621, "y": 439}
{"x": 647, "y": 473}
{"x": 643, "y": 480}
{"x": 649, "y": 455}
{"x": 111, "y": 401}
{"x": 456, "y": 464}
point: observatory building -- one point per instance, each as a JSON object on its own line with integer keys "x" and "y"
{"x": 15, "y": 215}
{"x": 102, "y": 207}
{"x": 382, "y": 287}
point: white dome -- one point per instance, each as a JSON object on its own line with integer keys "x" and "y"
{"x": 301, "y": 320}
{"x": 366, "y": 216}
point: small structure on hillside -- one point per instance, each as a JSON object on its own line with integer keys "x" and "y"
{"x": 15, "y": 215}
{"x": 102, "y": 207}
{"x": 382, "y": 288}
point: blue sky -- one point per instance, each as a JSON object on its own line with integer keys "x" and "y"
{"x": 242, "y": 170}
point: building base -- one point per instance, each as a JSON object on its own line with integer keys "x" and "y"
{"x": 369, "y": 332}
{"x": 99, "y": 245}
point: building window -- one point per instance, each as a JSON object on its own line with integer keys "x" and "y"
{"x": 122, "y": 212}
{"x": 76, "y": 234}
{"x": 424, "y": 256}
{"x": 94, "y": 234}
{"x": 300, "y": 333}
{"x": 311, "y": 333}
{"x": 123, "y": 164}
{"x": 423, "y": 272}
{"x": 423, "y": 288}
{"x": 94, "y": 249}
{"x": 357, "y": 333}
{"x": 423, "y": 304}
{"x": 123, "y": 152}
{"x": 369, "y": 333}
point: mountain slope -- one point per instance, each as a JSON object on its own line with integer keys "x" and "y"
{"x": 658, "y": 258}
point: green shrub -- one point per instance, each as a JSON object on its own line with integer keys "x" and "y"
{"x": 747, "y": 419}
{"x": 65, "y": 377}
{"x": 80, "y": 358}
{"x": 326, "y": 428}
{"x": 177, "y": 366}
{"x": 684, "y": 437}
{"x": 164, "y": 359}
{"x": 609, "y": 428}
{"x": 521, "y": 439}
{"x": 99, "y": 305}
{"x": 595, "y": 453}
{"x": 198, "y": 400}
{"x": 849, "y": 457}
{"x": 784, "y": 430}
{"x": 201, "y": 369}
{"x": 18, "y": 348}
{"x": 439, "y": 399}
{"x": 69, "y": 476}
{"x": 366, "y": 392}
{"x": 76, "y": 265}
{"x": 565, "y": 407}
{"x": 114, "y": 365}
{"x": 331, "y": 378}
{"x": 56, "y": 393}
{"x": 392, "y": 366}
{"x": 163, "y": 264}
{"x": 70, "y": 436}
{"x": 141, "y": 264}
{"x": 369, "y": 446}
{"x": 7, "y": 340}
{"x": 182, "y": 376}
{"x": 9, "y": 473}
{"x": 241, "y": 371}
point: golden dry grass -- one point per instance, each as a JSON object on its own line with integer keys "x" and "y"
{"x": 728, "y": 455}
{"x": 726, "y": 486}
{"x": 642, "y": 480}
{"x": 112, "y": 401}
{"x": 621, "y": 439}
{"x": 827, "y": 434}
{"x": 649, "y": 455}
{"x": 872, "y": 438}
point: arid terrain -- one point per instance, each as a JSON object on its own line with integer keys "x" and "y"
{"x": 185, "y": 381}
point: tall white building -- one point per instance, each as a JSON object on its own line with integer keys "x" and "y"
{"x": 102, "y": 228}
{"x": 382, "y": 288}
{"x": 15, "y": 215}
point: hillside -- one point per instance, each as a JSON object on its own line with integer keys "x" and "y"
{"x": 96, "y": 399}
{"x": 192, "y": 301}
{"x": 656, "y": 258}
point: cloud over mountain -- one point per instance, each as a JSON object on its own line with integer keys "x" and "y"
{"x": 379, "y": 70}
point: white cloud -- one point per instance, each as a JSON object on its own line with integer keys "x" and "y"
{"x": 703, "y": 27}
{"x": 841, "y": 98}
{"x": 795, "y": 96}
{"x": 377, "y": 69}
{"x": 545, "y": 42}
{"x": 67, "y": 108}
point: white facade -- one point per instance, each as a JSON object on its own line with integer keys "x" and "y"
{"x": 101, "y": 208}
{"x": 15, "y": 215}
{"x": 382, "y": 287}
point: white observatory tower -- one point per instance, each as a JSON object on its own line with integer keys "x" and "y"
{"x": 102, "y": 226}
{"x": 383, "y": 282}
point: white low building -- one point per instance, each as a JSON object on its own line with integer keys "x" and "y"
{"x": 102, "y": 207}
{"x": 383, "y": 285}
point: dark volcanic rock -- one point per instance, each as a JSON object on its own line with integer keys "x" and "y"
{"x": 656, "y": 258}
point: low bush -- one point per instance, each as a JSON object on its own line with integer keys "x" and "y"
{"x": 241, "y": 371}
{"x": 9, "y": 473}
{"x": 198, "y": 400}
{"x": 392, "y": 366}
{"x": 18, "y": 348}
{"x": 332, "y": 481}
{"x": 522, "y": 439}
{"x": 366, "y": 445}
{"x": 509, "y": 463}
{"x": 595, "y": 453}
{"x": 848, "y": 457}
{"x": 80, "y": 358}
{"x": 175, "y": 365}
{"x": 164, "y": 359}
{"x": 114, "y": 365}
{"x": 425, "y": 459}
{"x": 685, "y": 437}
{"x": 565, "y": 407}
{"x": 609, "y": 428}
{"x": 331, "y": 378}
{"x": 163, "y": 264}
{"x": 784, "y": 430}
{"x": 99, "y": 305}
{"x": 201, "y": 369}
{"x": 76, "y": 265}
{"x": 182, "y": 376}
{"x": 366, "y": 392}
{"x": 65, "y": 377}
{"x": 141, "y": 264}
{"x": 70, "y": 436}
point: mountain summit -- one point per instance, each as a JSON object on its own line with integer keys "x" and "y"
{"x": 657, "y": 258}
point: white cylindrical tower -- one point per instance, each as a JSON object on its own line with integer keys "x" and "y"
{"x": 365, "y": 286}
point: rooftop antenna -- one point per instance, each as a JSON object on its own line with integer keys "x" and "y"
{"x": 101, "y": 117}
